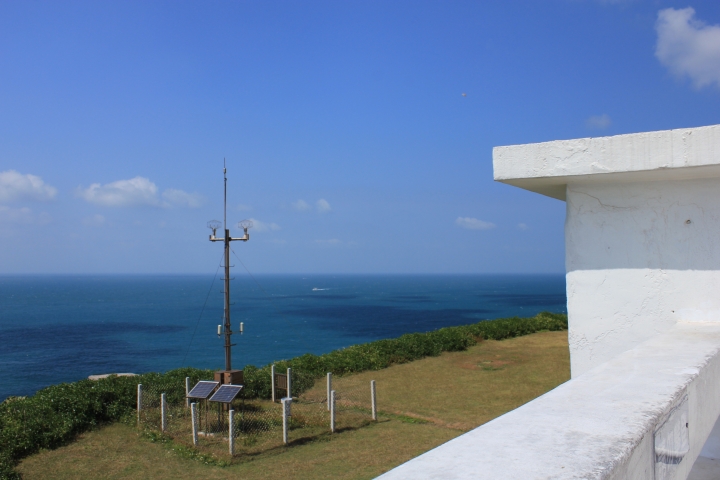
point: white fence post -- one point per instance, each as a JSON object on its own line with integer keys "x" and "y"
{"x": 286, "y": 405}
{"x": 329, "y": 388}
{"x": 163, "y": 410}
{"x": 272, "y": 381}
{"x": 231, "y": 432}
{"x": 193, "y": 412}
{"x": 289, "y": 390}
{"x": 373, "y": 399}
{"x": 332, "y": 411}
{"x": 187, "y": 390}
{"x": 139, "y": 402}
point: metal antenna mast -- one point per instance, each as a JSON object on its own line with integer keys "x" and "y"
{"x": 214, "y": 225}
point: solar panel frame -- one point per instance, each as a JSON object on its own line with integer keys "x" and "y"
{"x": 226, "y": 393}
{"x": 203, "y": 389}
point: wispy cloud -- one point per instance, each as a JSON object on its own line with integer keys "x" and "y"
{"x": 300, "y": 206}
{"x": 15, "y": 186}
{"x": 259, "y": 226}
{"x": 182, "y": 198}
{"x": 522, "y": 226}
{"x": 473, "y": 223}
{"x": 24, "y": 216}
{"x": 598, "y": 122}
{"x": 322, "y": 206}
{"x": 614, "y": 2}
{"x": 330, "y": 242}
{"x": 688, "y": 47}
{"x": 96, "y": 220}
{"x": 135, "y": 192}
{"x": 243, "y": 208}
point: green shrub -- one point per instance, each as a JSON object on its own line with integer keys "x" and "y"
{"x": 413, "y": 346}
{"x": 57, "y": 414}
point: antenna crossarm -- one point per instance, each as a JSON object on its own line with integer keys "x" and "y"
{"x": 244, "y": 238}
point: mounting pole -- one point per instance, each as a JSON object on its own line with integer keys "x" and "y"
{"x": 226, "y": 239}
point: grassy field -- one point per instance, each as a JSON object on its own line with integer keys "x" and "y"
{"x": 422, "y": 404}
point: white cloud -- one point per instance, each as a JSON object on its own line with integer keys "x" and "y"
{"x": 300, "y": 206}
{"x": 182, "y": 198}
{"x": 259, "y": 226}
{"x": 135, "y": 192}
{"x": 94, "y": 221}
{"x": 123, "y": 193}
{"x": 322, "y": 206}
{"x": 687, "y": 46}
{"x": 16, "y": 186}
{"x": 522, "y": 226}
{"x": 473, "y": 223}
{"x": 22, "y": 215}
{"x": 598, "y": 122}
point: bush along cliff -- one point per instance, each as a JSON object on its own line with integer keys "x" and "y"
{"x": 56, "y": 415}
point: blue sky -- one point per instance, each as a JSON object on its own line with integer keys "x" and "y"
{"x": 347, "y": 136}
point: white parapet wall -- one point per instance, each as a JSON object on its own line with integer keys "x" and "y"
{"x": 639, "y": 257}
{"x": 642, "y": 229}
{"x": 643, "y": 285}
{"x": 644, "y": 415}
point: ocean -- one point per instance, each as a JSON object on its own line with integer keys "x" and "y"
{"x": 57, "y": 329}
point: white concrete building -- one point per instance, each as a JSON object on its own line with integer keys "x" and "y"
{"x": 643, "y": 285}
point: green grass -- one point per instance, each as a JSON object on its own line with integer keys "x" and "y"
{"x": 58, "y": 414}
{"x": 422, "y": 403}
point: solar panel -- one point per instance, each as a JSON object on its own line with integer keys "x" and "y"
{"x": 226, "y": 393}
{"x": 202, "y": 389}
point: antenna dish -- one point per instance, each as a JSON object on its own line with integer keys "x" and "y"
{"x": 245, "y": 224}
{"x": 214, "y": 225}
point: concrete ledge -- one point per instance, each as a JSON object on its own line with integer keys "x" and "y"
{"x": 106, "y": 375}
{"x": 604, "y": 424}
{"x": 546, "y": 168}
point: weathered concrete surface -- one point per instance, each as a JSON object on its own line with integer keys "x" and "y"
{"x": 599, "y": 425}
{"x": 643, "y": 219}
{"x": 639, "y": 258}
{"x": 546, "y": 168}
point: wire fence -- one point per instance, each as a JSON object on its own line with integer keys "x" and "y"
{"x": 353, "y": 405}
{"x": 247, "y": 426}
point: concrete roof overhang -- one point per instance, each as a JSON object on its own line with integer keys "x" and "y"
{"x": 547, "y": 168}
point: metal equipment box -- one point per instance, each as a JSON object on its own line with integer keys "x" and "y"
{"x": 230, "y": 377}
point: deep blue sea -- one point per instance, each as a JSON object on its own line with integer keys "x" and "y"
{"x": 63, "y": 328}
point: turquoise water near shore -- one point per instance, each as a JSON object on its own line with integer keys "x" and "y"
{"x": 63, "y": 328}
